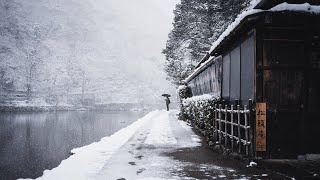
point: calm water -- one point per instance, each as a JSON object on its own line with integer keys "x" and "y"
{"x": 33, "y": 142}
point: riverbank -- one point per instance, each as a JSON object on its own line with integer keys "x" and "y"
{"x": 32, "y": 142}
{"x": 157, "y": 146}
{"x": 96, "y": 107}
{"x": 42, "y": 108}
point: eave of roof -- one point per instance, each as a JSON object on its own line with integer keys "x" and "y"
{"x": 284, "y": 7}
{"x": 241, "y": 19}
{"x": 230, "y": 30}
{"x": 202, "y": 67}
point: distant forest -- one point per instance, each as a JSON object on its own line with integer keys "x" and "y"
{"x": 197, "y": 24}
{"x": 29, "y": 51}
{"x": 75, "y": 52}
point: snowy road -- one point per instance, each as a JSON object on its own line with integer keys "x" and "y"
{"x": 142, "y": 157}
{"x": 157, "y": 146}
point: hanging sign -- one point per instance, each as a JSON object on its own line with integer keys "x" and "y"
{"x": 261, "y": 127}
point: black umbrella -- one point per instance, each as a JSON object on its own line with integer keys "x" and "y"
{"x": 166, "y": 95}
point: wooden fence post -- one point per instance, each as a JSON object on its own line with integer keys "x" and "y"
{"x": 215, "y": 123}
{"x": 220, "y": 107}
{"x": 252, "y": 126}
{"x": 246, "y": 129}
{"x": 225, "y": 126}
{"x": 239, "y": 133}
{"x": 232, "y": 135}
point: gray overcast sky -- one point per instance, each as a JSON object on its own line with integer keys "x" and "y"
{"x": 138, "y": 31}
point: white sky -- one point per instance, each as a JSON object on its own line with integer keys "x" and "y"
{"x": 136, "y": 35}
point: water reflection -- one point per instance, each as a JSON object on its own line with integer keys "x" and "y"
{"x": 33, "y": 142}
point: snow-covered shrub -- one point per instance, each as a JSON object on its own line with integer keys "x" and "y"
{"x": 198, "y": 110}
{"x": 183, "y": 92}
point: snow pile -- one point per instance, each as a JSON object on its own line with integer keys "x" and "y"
{"x": 87, "y": 161}
{"x": 252, "y": 164}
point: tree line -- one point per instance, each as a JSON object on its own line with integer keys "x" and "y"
{"x": 31, "y": 58}
{"x": 197, "y": 24}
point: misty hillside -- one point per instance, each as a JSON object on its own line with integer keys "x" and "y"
{"x": 107, "y": 49}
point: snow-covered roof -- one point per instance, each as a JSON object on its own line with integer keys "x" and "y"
{"x": 232, "y": 26}
{"x": 201, "y": 67}
{"x": 305, "y": 7}
{"x": 267, "y": 4}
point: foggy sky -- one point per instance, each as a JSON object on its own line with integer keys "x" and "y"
{"x": 116, "y": 43}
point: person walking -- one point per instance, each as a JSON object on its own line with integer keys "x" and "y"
{"x": 167, "y": 102}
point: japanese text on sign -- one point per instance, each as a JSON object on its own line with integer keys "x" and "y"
{"x": 261, "y": 127}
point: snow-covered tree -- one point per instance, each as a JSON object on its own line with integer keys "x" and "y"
{"x": 197, "y": 24}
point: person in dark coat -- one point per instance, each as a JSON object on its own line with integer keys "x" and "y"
{"x": 167, "y": 103}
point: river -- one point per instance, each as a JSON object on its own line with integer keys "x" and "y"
{"x": 33, "y": 142}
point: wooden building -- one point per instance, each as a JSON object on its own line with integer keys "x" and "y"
{"x": 271, "y": 55}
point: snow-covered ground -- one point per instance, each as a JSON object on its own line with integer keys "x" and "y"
{"x": 113, "y": 157}
{"x": 155, "y": 147}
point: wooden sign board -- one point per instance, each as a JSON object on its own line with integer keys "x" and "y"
{"x": 261, "y": 127}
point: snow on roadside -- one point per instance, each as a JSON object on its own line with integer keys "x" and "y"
{"x": 161, "y": 132}
{"x": 89, "y": 160}
{"x": 196, "y": 139}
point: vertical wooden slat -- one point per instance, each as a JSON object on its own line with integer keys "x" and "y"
{"x": 239, "y": 134}
{"x": 246, "y": 129}
{"x": 215, "y": 123}
{"x": 232, "y": 139}
{"x": 225, "y": 125}
{"x": 251, "y": 130}
{"x": 220, "y": 107}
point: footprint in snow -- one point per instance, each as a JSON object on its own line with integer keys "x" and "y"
{"x": 139, "y": 157}
{"x": 140, "y": 171}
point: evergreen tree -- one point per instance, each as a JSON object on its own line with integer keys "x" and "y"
{"x": 197, "y": 24}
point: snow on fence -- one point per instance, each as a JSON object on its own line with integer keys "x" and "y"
{"x": 227, "y": 125}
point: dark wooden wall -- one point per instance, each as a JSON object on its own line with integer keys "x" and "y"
{"x": 287, "y": 81}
